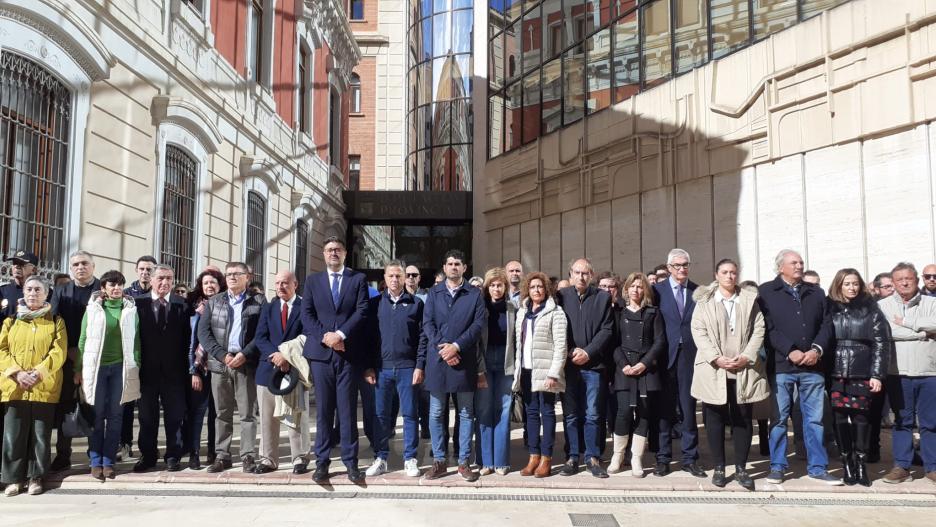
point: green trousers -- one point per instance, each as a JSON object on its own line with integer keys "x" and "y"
{"x": 27, "y": 440}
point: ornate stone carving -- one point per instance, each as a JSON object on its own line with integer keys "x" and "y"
{"x": 327, "y": 17}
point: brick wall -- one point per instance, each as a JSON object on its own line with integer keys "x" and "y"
{"x": 361, "y": 134}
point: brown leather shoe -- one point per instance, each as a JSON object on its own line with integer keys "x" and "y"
{"x": 109, "y": 473}
{"x": 439, "y": 469}
{"x": 531, "y": 465}
{"x": 897, "y": 475}
{"x": 97, "y": 473}
{"x": 931, "y": 476}
{"x": 544, "y": 470}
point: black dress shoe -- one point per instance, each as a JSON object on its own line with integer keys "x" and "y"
{"x": 743, "y": 478}
{"x": 263, "y": 468}
{"x": 143, "y": 466}
{"x": 219, "y": 465}
{"x": 718, "y": 477}
{"x": 247, "y": 464}
{"x": 321, "y": 473}
{"x": 694, "y": 469}
{"x": 569, "y": 468}
{"x": 300, "y": 468}
{"x": 173, "y": 465}
{"x": 60, "y": 463}
{"x": 194, "y": 462}
{"x": 355, "y": 475}
{"x": 661, "y": 469}
{"x": 594, "y": 466}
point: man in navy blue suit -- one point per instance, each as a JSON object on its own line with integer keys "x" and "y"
{"x": 280, "y": 321}
{"x": 674, "y": 295}
{"x": 334, "y": 320}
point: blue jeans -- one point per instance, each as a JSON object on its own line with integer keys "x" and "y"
{"x": 492, "y": 405}
{"x": 540, "y": 410}
{"x": 914, "y": 398}
{"x": 811, "y": 389}
{"x": 584, "y": 406}
{"x": 108, "y": 416}
{"x": 465, "y": 407}
{"x": 396, "y": 381}
{"x": 198, "y": 404}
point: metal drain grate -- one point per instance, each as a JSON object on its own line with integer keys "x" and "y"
{"x": 593, "y": 520}
{"x": 767, "y": 499}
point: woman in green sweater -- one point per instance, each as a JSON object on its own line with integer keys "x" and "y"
{"x": 108, "y": 367}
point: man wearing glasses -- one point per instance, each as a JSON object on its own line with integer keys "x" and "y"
{"x": 929, "y": 280}
{"x": 412, "y": 282}
{"x": 226, "y": 332}
{"x": 674, "y": 296}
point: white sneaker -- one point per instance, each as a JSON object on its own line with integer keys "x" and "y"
{"x": 377, "y": 468}
{"x": 35, "y": 487}
{"x": 411, "y": 468}
{"x": 12, "y": 489}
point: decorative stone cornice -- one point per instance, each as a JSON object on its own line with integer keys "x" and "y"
{"x": 327, "y": 17}
{"x": 269, "y": 171}
{"x": 67, "y": 29}
{"x": 189, "y": 116}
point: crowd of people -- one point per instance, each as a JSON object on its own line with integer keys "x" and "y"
{"x": 632, "y": 356}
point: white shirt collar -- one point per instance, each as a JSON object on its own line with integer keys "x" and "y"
{"x": 339, "y": 271}
{"x": 156, "y": 297}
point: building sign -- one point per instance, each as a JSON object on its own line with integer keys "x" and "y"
{"x": 409, "y": 207}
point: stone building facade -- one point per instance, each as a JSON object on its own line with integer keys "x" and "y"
{"x": 199, "y": 131}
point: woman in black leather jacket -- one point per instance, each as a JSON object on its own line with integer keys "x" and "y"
{"x": 862, "y": 348}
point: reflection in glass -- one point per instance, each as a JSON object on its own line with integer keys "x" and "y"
{"x": 495, "y": 6}
{"x": 598, "y": 71}
{"x": 462, "y": 167}
{"x": 441, "y": 79}
{"x": 426, "y": 7}
{"x": 441, "y": 123}
{"x": 461, "y": 121}
{"x": 514, "y": 8}
{"x": 552, "y": 33}
{"x": 811, "y": 8}
{"x": 462, "y": 23}
{"x": 626, "y": 60}
{"x": 730, "y": 28}
{"x": 512, "y": 114}
{"x": 412, "y": 138}
{"x": 573, "y": 87}
{"x": 495, "y": 125}
{"x": 691, "y": 34}
{"x": 531, "y": 107}
{"x": 426, "y": 38}
{"x": 441, "y": 34}
{"x": 425, "y": 126}
{"x": 531, "y": 35}
{"x": 512, "y": 52}
{"x": 424, "y": 79}
{"x": 657, "y": 61}
{"x": 462, "y": 75}
{"x": 496, "y": 62}
{"x": 771, "y": 16}
{"x": 552, "y": 96}
{"x": 575, "y": 21}
{"x": 422, "y": 171}
{"x": 460, "y": 4}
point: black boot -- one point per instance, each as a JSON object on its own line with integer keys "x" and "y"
{"x": 848, "y": 464}
{"x": 861, "y": 469}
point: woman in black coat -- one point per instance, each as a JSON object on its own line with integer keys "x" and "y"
{"x": 859, "y": 364}
{"x": 640, "y": 343}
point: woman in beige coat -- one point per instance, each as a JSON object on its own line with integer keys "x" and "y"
{"x": 728, "y": 330}
{"x": 538, "y": 365}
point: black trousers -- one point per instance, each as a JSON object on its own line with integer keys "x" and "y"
{"x": 171, "y": 397}
{"x": 631, "y": 419}
{"x": 126, "y": 426}
{"x": 738, "y": 417}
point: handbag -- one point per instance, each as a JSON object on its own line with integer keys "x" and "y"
{"x": 517, "y": 409}
{"x": 80, "y": 421}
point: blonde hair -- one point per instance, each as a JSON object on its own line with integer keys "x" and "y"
{"x": 647, "y": 298}
{"x": 496, "y": 274}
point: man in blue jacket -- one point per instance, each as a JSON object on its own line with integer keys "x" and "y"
{"x": 395, "y": 318}
{"x": 799, "y": 332}
{"x": 453, "y": 319}
{"x": 674, "y": 296}
{"x": 334, "y": 316}
{"x": 280, "y": 321}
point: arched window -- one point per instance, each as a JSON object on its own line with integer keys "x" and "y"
{"x": 177, "y": 247}
{"x": 256, "y": 233}
{"x": 355, "y": 93}
{"x": 35, "y": 120}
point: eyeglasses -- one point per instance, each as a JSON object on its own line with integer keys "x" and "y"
{"x": 234, "y": 275}
{"x": 929, "y": 276}
{"x": 412, "y": 275}
{"x": 886, "y": 286}
{"x": 680, "y": 266}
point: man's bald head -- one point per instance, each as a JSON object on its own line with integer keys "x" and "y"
{"x": 285, "y": 283}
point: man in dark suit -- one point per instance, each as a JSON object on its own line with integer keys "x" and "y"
{"x": 280, "y": 321}
{"x": 165, "y": 333}
{"x": 334, "y": 321}
{"x": 590, "y": 330}
{"x": 674, "y": 296}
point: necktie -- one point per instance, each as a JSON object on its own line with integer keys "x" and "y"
{"x": 796, "y": 295}
{"x": 335, "y": 284}
{"x": 680, "y": 302}
{"x": 285, "y": 314}
{"x": 161, "y": 316}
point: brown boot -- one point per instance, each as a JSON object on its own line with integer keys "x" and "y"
{"x": 97, "y": 473}
{"x": 531, "y": 466}
{"x": 545, "y": 467}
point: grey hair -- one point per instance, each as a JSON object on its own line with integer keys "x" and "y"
{"x": 38, "y": 280}
{"x": 778, "y": 261}
{"x": 163, "y": 267}
{"x": 395, "y": 263}
{"x": 588, "y": 264}
{"x": 905, "y": 266}
{"x": 676, "y": 253}
{"x": 86, "y": 254}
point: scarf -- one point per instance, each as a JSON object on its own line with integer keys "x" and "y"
{"x": 27, "y": 315}
{"x": 530, "y": 316}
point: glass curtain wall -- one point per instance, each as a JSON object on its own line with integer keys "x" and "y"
{"x": 551, "y": 62}
{"x": 439, "y": 83}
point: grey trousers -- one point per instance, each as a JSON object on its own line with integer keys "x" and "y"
{"x": 299, "y": 439}
{"x": 27, "y": 440}
{"x": 235, "y": 389}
